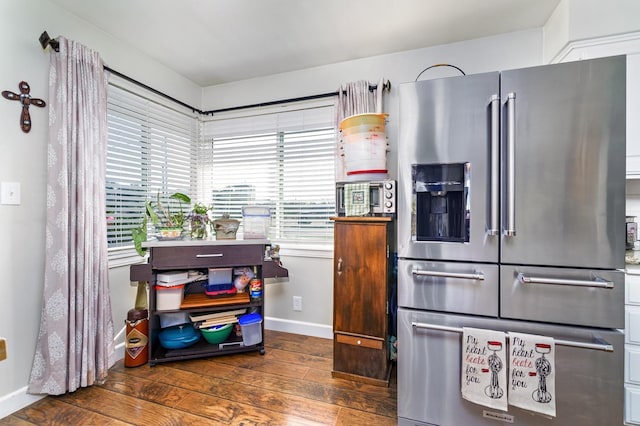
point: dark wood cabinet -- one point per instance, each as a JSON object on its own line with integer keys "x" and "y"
{"x": 361, "y": 279}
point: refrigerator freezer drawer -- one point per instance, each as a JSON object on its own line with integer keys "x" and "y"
{"x": 589, "y": 382}
{"x": 591, "y": 298}
{"x": 448, "y": 287}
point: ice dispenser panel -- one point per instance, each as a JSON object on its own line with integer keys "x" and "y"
{"x": 441, "y": 202}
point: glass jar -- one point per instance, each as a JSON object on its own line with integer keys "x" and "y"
{"x": 199, "y": 224}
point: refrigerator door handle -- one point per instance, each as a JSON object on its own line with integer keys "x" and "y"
{"x": 600, "y": 345}
{"x": 510, "y": 214}
{"x": 597, "y": 282}
{"x": 479, "y": 276}
{"x": 494, "y": 131}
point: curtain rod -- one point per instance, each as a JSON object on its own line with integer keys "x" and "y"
{"x": 45, "y": 41}
{"x": 386, "y": 86}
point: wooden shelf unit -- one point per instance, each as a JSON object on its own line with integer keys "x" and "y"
{"x": 202, "y": 255}
{"x": 361, "y": 285}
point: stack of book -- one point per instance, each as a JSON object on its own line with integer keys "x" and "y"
{"x": 207, "y": 320}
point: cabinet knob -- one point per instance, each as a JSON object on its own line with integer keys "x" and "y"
{"x": 359, "y": 342}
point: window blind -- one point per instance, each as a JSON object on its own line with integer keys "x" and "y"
{"x": 151, "y": 150}
{"x": 283, "y": 160}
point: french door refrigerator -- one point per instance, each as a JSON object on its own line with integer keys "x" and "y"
{"x": 511, "y": 211}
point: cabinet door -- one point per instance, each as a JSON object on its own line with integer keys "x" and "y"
{"x": 632, "y": 404}
{"x": 633, "y": 111}
{"x": 360, "y": 278}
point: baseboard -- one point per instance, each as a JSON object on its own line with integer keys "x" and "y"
{"x": 119, "y": 351}
{"x": 17, "y": 400}
{"x": 299, "y": 327}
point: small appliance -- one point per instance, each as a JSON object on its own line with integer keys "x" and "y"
{"x": 382, "y": 197}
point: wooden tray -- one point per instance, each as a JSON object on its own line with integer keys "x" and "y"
{"x": 201, "y": 300}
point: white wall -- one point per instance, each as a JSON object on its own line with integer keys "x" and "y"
{"x": 23, "y": 160}
{"x": 311, "y": 278}
{"x": 597, "y": 18}
{"x": 577, "y": 22}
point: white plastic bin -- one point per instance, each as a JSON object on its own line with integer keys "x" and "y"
{"x": 169, "y": 298}
{"x": 251, "y": 325}
{"x": 256, "y": 221}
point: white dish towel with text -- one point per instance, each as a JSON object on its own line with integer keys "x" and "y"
{"x": 484, "y": 367}
{"x": 532, "y": 378}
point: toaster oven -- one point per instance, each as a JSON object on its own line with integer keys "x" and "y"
{"x": 382, "y": 197}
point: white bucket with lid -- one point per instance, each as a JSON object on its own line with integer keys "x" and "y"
{"x": 364, "y": 146}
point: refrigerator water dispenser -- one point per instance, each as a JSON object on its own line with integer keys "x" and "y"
{"x": 441, "y": 198}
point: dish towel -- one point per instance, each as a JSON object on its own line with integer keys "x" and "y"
{"x": 356, "y": 199}
{"x": 484, "y": 368}
{"x": 532, "y": 373}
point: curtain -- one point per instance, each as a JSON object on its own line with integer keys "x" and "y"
{"x": 354, "y": 98}
{"x": 75, "y": 345}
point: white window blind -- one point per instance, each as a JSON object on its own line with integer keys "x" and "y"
{"x": 151, "y": 150}
{"x": 283, "y": 160}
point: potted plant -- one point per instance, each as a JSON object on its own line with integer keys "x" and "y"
{"x": 199, "y": 219}
{"x": 168, "y": 222}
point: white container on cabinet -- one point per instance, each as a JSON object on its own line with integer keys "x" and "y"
{"x": 169, "y": 298}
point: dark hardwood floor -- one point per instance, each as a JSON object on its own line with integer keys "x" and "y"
{"x": 290, "y": 385}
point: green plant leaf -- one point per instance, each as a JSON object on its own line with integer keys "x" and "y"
{"x": 200, "y": 208}
{"x": 181, "y": 197}
{"x": 151, "y": 212}
{"x": 139, "y": 235}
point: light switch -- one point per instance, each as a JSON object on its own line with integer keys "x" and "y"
{"x": 10, "y": 193}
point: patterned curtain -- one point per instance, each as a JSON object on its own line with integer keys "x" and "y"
{"x": 75, "y": 345}
{"x": 354, "y": 98}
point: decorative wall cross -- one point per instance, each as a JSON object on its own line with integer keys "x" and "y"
{"x": 25, "y": 99}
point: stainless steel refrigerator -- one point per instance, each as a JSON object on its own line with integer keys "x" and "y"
{"x": 511, "y": 217}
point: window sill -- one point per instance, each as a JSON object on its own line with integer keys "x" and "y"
{"x": 124, "y": 256}
{"x": 324, "y": 251}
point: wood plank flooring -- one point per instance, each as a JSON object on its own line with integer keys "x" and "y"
{"x": 290, "y": 385}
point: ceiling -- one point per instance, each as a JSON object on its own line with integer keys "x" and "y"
{"x": 216, "y": 41}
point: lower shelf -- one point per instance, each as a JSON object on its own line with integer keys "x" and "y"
{"x": 202, "y": 349}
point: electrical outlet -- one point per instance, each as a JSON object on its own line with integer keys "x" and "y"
{"x": 297, "y": 303}
{"x": 3, "y": 348}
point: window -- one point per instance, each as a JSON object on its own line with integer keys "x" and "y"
{"x": 151, "y": 150}
{"x": 281, "y": 160}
